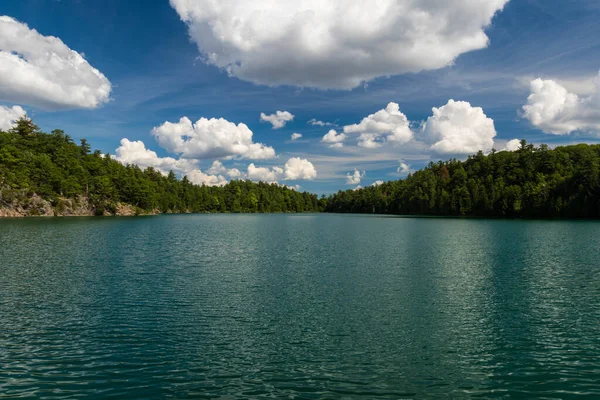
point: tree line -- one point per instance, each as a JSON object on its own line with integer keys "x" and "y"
{"x": 55, "y": 167}
{"x": 535, "y": 182}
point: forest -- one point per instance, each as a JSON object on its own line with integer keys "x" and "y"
{"x": 531, "y": 182}
{"x": 54, "y": 167}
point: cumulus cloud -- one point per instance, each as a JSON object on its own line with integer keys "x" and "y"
{"x": 404, "y": 169}
{"x": 334, "y": 139}
{"x": 355, "y": 177}
{"x": 377, "y": 183}
{"x": 387, "y": 125}
{"x": 200, "y": 178}
{"x": 513, "y": 145}
{"x": 296, "y": 136}
{"x": 136, "y": 153}
{"x": 278, "y": 120}
{"x": 217, "y": 168}
{"x": 294, "y": 169}
{"x": 334, "y": 44}
{"x": 315, "y": 122}
{"x": 8, "y": 116}
{"x": 298, "y": 168}
{"x": 211, "y": 138}
{"x": 264, "y": 174}
{"x": 459, "y": 128}
{"x": 553, "y": 109}
{"x": 456, "y": 128}
{"x": 43, "y": 71}
{"x": 234, "y": 173}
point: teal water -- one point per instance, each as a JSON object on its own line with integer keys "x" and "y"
{"x": 299, "y": 307}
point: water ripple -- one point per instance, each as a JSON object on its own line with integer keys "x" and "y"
{"x": 302, "y": 307}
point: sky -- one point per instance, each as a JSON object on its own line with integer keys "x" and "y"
{"x": 319, "y": 96}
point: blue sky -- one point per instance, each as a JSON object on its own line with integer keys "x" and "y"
{"x": 157, "y": 74}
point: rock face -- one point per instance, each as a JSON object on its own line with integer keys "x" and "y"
{"x": 64, "y": 207}
{"x": 125, "y": 210}
{"x": 78, "y": 207}
{"x": 32, "y": 206}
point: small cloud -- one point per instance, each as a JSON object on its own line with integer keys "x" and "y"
{"x": 298, "y": 168}
{"x": 294, "y": 169}
{"x": 315, "y": 122}
{"x": 387, "y": 125}
{"x": 459, "y": 128}
{"x": 279, "y": 119}
{"x": 334, "y": 139}
{"x": 296, "y": 136}
{"x": 513, "y": 145}
{"x": 404, "y": 169}
{"x": 355, "y": 177}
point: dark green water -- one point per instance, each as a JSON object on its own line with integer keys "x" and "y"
{"x": 299, "y": 306}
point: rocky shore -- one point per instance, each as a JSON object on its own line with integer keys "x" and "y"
{"x": 36, "y": 206}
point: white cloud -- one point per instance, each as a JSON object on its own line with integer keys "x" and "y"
{"x": 357, "y": 188}
{"x": 404, "y": 169}
{"x": 211, "y": 138}
{"x": 387, "y": 125}
{"x": 43, "y": 71}
{"x": 337, "y": 43}
{"x": 8, "y": 116}
{"x": 264, "y": 174}
{"x": 297, "y": 168}
{"x": 513, "y": 145}
{"x": 355, "y": 177}
{"x": 234, "y": 173}
{"x": 296, "y": 136}
{"x": 217, "y": 168}
{"x": 377, "y": 183}
{"x": 315, "y": 122}
{"x": 553, "y": 109}
{"x": 458, "y": 128}
{"x": 334, "y": 139}
{"x": 135, "y": 152}
{"x": 200, "y": 178}
{"x": 294, "y": 187}
{"x": 279, "y": 119}
{"x": 580, "y": 86}
{"x": 294, "y": 169}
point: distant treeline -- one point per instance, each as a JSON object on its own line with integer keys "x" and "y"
{"x": 534, "y": 182}
{"x": 54, "y": 167}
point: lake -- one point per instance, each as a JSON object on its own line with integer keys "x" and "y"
{"x": 299, "y": 307}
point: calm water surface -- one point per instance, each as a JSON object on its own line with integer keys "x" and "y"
{"x": 299, "y": 307}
